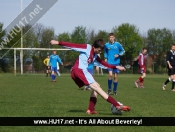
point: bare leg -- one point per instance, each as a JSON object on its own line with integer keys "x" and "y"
{"x": 115, "y": 83}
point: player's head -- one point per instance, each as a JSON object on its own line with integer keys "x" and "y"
{"x": 144, "y": 50}
{"x": 111, "y": 37}
{"x": 54, "y": 52}
{"x": 173, "y": 47}
{"x": 48, "y": 56}
{"x": 98, "y": 46}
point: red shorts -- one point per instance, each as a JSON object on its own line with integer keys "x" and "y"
{"x": 82, "y": 77}
{"x": 142, "y": 70}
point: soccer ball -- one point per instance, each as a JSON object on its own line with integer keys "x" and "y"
{"x": 115, "y": 111}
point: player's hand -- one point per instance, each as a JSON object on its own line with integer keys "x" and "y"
{"x": 116, "y": 55}
{"x": 170, "y": 67}
{"x": 54, "y": 42}
{"x": 121, "y": 68}
{"x": 142, "y": 68}
{"x": 106, "y": 60}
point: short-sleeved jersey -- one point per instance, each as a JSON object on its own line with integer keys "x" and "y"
{"x": 142, "y": 60}
{"x": 171, "y": 57}
{"x": 90, "y": 66}
{"x": 112, "y": 49}
{"x": 54, "y": 59}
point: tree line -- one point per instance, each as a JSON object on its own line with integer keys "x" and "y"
{"x": 158, "y": 42}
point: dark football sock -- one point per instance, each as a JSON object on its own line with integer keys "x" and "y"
{"x": 92, "y": 103}
{"x": 113, "y": 101}
{"x": 167, "y": 81}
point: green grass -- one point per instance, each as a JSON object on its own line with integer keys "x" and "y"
{"x": 34, "y": 95}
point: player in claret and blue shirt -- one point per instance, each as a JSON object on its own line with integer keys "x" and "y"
{"x": 81, "y": 76}
{"x": 112, "y": 52}
{"x": 54, "y": 58}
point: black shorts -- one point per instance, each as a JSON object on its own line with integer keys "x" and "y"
{"x": 171, "y": 71}
{"x": 47, "y": 67}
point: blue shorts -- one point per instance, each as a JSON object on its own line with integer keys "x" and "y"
{"x": 114, "y": 70}
{"x": 54, "y": 69}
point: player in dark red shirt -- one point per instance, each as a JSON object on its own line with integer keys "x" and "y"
{"x": 142, "y": 68}
{"x": 81, "y": 76}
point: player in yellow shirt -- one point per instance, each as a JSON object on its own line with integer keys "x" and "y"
{"x": 46, "y": 63}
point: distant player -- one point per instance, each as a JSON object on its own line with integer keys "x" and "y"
{"x": 167, "y": 81}
{"x": 47, "y": 64}
{"x": 170, "y": 59}
{"x": 112, "y": 52}
{"x": 58, "y": 68}
{"x": 142, "y": 68}
{"x": 81, "y": 76}
{"x": 54, "y": 58}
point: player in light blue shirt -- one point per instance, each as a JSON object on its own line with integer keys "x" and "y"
{"x": 112, "y": 52}
{"x": 54, "y": 58}
{"x": 90, "y": 69}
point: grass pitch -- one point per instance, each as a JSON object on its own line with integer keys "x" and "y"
{"x": 34, "y": 95}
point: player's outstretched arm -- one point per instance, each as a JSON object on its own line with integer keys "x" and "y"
{"x": 73, "y": 46}
{"x": 121, "y": 68}
{"x": 104, "y": 63}
{"x": 54, "y": 42}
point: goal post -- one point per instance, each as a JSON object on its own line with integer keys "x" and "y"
{"x": 38, "y": 49}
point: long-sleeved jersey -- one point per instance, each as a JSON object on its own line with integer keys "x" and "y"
{"x": 54, "y": 59}
{"x": 86, "y": 56}
{"x": 46, "y": 62}
{"x": 142, "y": 60}
{"x": 171, "y": 57}
{"x": 112, "y": 49}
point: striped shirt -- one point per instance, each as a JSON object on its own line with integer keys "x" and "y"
{"x": 86, "y": 55}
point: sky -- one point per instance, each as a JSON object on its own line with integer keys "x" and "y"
{"x": 65, "y": 15}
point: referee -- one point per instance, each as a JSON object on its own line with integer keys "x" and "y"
{"x": 170, "y": 59}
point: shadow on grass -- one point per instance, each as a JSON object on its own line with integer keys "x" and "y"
{"x": 76, "y": 111}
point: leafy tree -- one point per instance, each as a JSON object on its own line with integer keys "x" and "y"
{"x": 128, "y": 36}
{"x": 2, "y": 35}
{"x": 102, "y": 34}
{"x": 46, "y": 36}
{"x": 158, "y": 43}
{"x": 64, "y": 54}
{"x": 79, "y": 35}
{"x": 173, "y": 36}
{"x": 90, "y": 36}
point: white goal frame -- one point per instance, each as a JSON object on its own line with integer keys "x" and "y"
{"x": 47, "y": 49}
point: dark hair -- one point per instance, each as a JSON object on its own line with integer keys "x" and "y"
{"x": 111, "y": 34}
{"x": 145, "y": 48}
{"x": 98, "y": 44}
{"x": 173, "y": 45}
